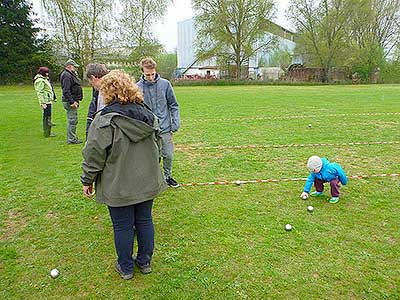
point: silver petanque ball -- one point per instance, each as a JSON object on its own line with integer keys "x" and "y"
{"x": 54, "y": 273}
{"x": 288, "y": 227}
{"x": 310, "y": 208}
{"x": 309, "y": 125}
{"x": 304, "y": 197}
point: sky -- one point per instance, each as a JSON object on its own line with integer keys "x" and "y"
{"x": 166, "y": 30}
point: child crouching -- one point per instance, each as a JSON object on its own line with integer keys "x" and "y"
{"x": 321, "y": 171}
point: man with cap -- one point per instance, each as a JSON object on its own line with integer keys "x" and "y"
{"x": 71, "y": 95}
{"x": 321, "y": 171}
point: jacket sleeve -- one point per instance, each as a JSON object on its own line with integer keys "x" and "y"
{"x": 39, "y": 87}
{"x": 173, "y": 108}
{"x": 66, "y": 84}
{"x": 309, "y": 183}
{"x": 341, "y": 174}
{"x": 95, "y": 152}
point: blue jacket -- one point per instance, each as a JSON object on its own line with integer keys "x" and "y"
{"x": 160, "y": 97}
{"x": 329, "y": 171}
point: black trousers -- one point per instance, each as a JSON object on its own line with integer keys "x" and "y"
{"x": 47, "y": 121}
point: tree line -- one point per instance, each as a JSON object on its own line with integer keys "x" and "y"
{"x": 360, "y": 35}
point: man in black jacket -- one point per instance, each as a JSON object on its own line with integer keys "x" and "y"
{"x": 71, "y": 95}
{"x": 94, "y": 73}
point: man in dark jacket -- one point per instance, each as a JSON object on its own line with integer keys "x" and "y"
{"x": 94, "y": 73}
{"x": 71, "y": 95}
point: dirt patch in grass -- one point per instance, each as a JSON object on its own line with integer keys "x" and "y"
{"x": 14, "y": 223}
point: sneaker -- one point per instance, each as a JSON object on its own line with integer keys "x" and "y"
{"x": 171, "y": 182}
{"x": 334, "y": 200}
{"x": 316, "y": 194}
{"x": 146, "y": 269}
{"x": 121, "y": 273}
{"x": 75, "y": 142}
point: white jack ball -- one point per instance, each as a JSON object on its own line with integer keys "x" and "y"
{"x": 288, "y": 227}
{"x": 310, "y": 208}
{"x": 54, "y": 273}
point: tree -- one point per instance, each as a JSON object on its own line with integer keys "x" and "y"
{"x": 135, "y": 23}
{"x": 232, "y": 31}
{"x": 17, "y": 40}
{"x": 82, "y": 27}
{"x": 280, "y": 58}
{"x": 321, "y": 26}
{"x": 373, "y": 31}
{"x": 166, "y": 65}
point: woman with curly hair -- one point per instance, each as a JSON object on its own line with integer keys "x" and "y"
{"x": 121, "y": 157}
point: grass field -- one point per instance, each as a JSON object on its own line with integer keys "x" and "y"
{"x": 213, "y": 242}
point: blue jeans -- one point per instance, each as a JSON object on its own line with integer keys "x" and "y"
{"x": 126, "y": 221}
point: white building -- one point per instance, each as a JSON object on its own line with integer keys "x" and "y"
{"x": 190, "y": 66}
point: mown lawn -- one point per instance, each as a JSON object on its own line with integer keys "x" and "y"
{"x": 213, "y": 242}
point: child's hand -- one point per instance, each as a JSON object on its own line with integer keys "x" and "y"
{"x": 304, "y": 195}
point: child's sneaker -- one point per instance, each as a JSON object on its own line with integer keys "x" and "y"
{"x": 316, "y": 194}
{"x": 334, "y": 200}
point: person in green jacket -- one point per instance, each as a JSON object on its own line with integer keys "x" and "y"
{"x": 46, "y": 96}
{"x": 121, "y": 157}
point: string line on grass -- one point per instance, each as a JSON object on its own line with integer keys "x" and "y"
{"x": 183, "y": 148}
{"x": 239, "y": 182}
{"x": 290, "y": 117}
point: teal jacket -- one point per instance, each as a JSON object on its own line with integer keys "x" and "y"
{"x": 329, "y": 171}
{"x": 43, "y": 89}
{"x": 121, "y": 155}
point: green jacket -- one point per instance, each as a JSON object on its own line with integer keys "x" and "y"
{"x": 43, "y": 89}
{"x": 121, "y": 156}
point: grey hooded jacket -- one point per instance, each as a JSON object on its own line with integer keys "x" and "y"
{"x": 159, "y": 96}
{"x": 122, "y": 157}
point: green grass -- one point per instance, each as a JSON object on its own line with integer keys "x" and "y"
{"x": 212, "y": 242}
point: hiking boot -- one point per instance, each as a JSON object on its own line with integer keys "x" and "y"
{"x": 316, "y": 194}
{"x": 334, "y": 200}
{"x": 171, "y": 182}
{"x": 121, "y": 273}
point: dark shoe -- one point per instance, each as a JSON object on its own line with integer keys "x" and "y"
{"x": 146, "y": 269}
{"x": 121, "y": 273}
{"x": 75, "y": 142}
{"x": 52, "y": 124}
{"x": 171, "y": 182}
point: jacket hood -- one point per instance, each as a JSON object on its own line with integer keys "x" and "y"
{"x": 134, "y": 120}
{"x": 325, "y": 162}
{"x": 39, "y": 76}
{"x": 146, "y": 82}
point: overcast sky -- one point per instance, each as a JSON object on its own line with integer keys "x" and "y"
{"x": 179, "y": 10}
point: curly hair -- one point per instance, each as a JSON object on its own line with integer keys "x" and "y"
{"x": 119, "y": 86}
